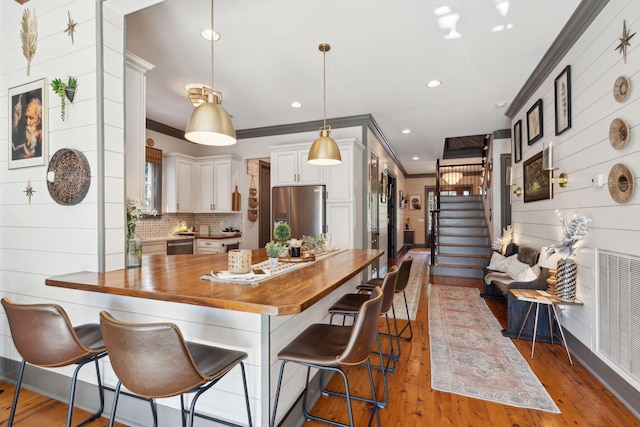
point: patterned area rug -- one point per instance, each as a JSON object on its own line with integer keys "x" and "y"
{"x": 418, "y": 267}
{"x": 469, "y": 355}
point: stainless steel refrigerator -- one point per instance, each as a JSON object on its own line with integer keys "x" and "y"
{"x": 301, "y": 207}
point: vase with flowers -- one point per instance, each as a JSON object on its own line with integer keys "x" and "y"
{"x": 133, "y": 249}
{"x": 573, "y": 231}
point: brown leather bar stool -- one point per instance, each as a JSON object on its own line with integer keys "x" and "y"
{"x": 401, "y": 285}
{"x": 44, "y": 336}
{"x": 329, "y": 347}
{"x": 349, "y": 305}
{"x": 153, "y": 360}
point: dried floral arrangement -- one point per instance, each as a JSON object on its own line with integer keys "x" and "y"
{"x": 29, "y": 36}
{"x": 572, "y": 232}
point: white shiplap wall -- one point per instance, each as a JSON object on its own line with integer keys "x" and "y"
{"x": 585, "y": 151}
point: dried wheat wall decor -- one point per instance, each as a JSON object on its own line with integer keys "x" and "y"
{"x": 29, "y": 35}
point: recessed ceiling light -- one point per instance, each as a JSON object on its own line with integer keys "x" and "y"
{"x": 501, "y": 104}
{"x": 207, "y": 34}
{"x": 498, "y": 28}
{"x": 296, "y": 104}
{"x": 442, "y": 10}
{"x": 433, "y": 83}
{"x": 406, "y": 131}
{"x": 415, "y": 158}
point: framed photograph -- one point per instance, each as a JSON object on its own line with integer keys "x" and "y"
{"x": 517, "y": 141}
{"x": 415, "y": 202}
{"x": 534, "y": 122}
{"x": 401, "y": 199}
{"x": 562, "y": 91}
{"x": 384, "y": 188}
{"x": 28, "y": 139}
{"x": 536, "y": 180}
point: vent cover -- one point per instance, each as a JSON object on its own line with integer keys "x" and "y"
{"x": 619, "y": 311}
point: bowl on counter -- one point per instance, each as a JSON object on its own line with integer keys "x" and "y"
{"x": 230, "y": 233}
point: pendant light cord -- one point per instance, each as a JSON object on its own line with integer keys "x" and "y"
{"x": 324, "y": 89}
{"x": 213, "y": 34}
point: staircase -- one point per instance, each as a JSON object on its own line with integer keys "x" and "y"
{"x": 463, "y": 247}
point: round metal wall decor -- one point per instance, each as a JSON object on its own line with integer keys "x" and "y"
{"x": 68, "y": 176}
{"x": 621, "y": 183}
{"x": 621, "y": 89}
{"x": 618, "y": 134}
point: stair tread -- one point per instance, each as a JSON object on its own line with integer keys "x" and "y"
{"x": 463, "y": 235}
{"x": 465, "y": 255}
{"x": 475, "y": 267}
{"x": 462, "y": 226}
{"x": 472, "y": 245}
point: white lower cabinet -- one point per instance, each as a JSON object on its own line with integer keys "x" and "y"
{"x": 208, "y": 246}
{"x": 215, "y": 246}
{"x": 340, "y": 225}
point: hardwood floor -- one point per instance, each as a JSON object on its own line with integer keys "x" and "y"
{"x": 35, "y": 410}
{"x": 582, "y": 399}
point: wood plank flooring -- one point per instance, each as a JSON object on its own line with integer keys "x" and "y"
{"x": 582, "y": 399}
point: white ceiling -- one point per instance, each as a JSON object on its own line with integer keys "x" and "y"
{"x": 382, "y": 55}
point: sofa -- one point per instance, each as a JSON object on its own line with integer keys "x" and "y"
{"x": 518, "y": 269}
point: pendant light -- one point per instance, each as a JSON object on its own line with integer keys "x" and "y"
{"x": 324, "y": 150}
{"x": 209, "y": 123}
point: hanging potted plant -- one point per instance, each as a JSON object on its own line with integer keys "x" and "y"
{"x": 64, "y": 91}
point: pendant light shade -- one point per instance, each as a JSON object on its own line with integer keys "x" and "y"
{"x": 324, "y": 150}
{"x": 209, "y": 123}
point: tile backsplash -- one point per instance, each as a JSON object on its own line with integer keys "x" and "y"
{"x": 169, "y": 224}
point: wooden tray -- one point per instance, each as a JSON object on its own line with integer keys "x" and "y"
{"x": 301, "y": 258}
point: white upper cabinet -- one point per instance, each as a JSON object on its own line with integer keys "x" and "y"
{"x": 204, "y": 172}
{"x": 289, "y": 167}
{"x": 178, "y": 183}
{"x": 225, "y": 178}
{"x": 200, "y": 184}
{"x": 339, "y": 179}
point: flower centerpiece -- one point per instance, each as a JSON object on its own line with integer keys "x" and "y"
{"x": 573, "y": 231}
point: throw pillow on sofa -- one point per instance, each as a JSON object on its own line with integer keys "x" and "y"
{"x": 520, "y": 271}
{"x": 499, "y": 262}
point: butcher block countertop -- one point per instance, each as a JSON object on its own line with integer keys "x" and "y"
{"x": 176, "y": 278}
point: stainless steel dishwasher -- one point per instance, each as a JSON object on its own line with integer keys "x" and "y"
{"x": 179, "y": 246}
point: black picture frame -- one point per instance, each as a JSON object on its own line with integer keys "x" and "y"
{"x": 536, "y": 180}
{"x": 562, "y": 98}
{"x": 517, "y": 142}
{"x": 28, "y": 125}
{"x": 534, "y": 122}
{"x": 415, "y": 202}
{"x": 384, "y": 188}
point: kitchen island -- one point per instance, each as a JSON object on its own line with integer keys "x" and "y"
{"x": 258, "y": 319}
